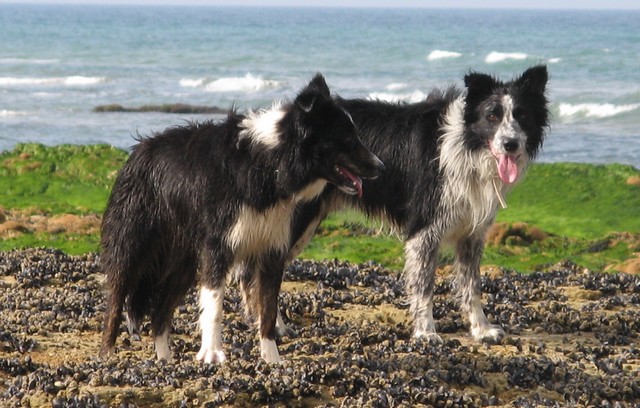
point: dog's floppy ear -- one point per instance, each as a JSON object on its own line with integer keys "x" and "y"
{"x": 317, "y": 88}
{"x": 534, "y": 79}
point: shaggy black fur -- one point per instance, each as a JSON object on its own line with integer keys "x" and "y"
{"x": 181, "y": 192}
{"x": 421, "y": 191}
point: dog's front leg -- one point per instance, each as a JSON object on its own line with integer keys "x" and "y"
{"x": 468, "y": 288}
{"x": 211, "y": 303}
{"x": 421, "y": 259}
{"x": 265, "y": 298}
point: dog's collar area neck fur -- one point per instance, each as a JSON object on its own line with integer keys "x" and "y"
{"x": 503, "y": 203}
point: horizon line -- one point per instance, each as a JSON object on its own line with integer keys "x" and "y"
{"x": 307, "y": 6}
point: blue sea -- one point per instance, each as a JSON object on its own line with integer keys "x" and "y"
{"x": 58, "y": 62}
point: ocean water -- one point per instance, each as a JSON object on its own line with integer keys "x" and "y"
{"x": 58, "y": 62}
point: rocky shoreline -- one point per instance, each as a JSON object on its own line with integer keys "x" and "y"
{"x": 573, "y": 341}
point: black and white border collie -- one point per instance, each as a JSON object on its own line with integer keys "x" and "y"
{"x": 195, "y": 203}
{"x": 449, "y": 160}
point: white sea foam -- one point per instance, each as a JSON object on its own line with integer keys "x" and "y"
{"x": 9, "y": 81}
{"x": 9, "y": 113}
{"x": 396, "y": 86}
{"x": 67, "y": 81}
{"x": 441, "y": 54}
{"x": 595, "y": 110}
{"x": 415, "y": 96}
{"x": 496, "y": 56}
{"x": 83, "y": 81}
{"x": 247, "y": 83}
{"x": 554, "y": 60}
{"x": 28, "y": 61}
{"x": 193, "y": 83}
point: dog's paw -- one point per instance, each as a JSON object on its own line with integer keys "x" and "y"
{"x": 211, "y": 356}
{"x": 431, "y": 337}
{"x": 282, "y": 329}
{"x": 490, "y": 333}
{"x": 285, "y": 331}
{"x": 106, "y": 351}
{"x": 269, "y": 351}
{"x": 163, "y": 352}
{"x": 165, "y": 355}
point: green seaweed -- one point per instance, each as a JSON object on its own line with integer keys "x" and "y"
{"x": 66, "y": 178}
{"x": 582, "y": 207}
{"x": 577, "y": 200}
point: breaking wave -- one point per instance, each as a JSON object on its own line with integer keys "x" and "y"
{"x": 28, "y": 61}
{"x": 495, "y": 56}
{"x": 66, "y": 81}
{"x": 415, "y": 96}
{"x": 247, "y": 83}
{"x": 9, "y": 113}
{"x": 595, "y": 110}
{"x": 441, "y": 54}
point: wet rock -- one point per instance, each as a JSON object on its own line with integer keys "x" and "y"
{"x": 561, "y": 348}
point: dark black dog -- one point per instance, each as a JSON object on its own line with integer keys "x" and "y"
{"x": 449, "y": 161}
{"x": 199, "y": 201}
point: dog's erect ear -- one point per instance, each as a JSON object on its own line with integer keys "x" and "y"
{"x": 320, "y": 84}
{"x": 479, "y": 84}
{"x": 306, "y": 100}
{"x": 317, "y": 88}
{"x": 534, "y": 79}
{"x": 475, "y": 81}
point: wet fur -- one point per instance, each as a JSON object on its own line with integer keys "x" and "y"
{"x": 441, "y": 183}
{"x": 195, "y": 203}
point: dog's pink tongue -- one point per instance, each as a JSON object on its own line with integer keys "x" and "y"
{"x": 507, "y": 168}
{"x": 355, "y": 180}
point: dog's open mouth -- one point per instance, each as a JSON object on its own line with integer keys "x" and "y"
{"x": 350, "y": 183}
{"x": 507, "y": 165}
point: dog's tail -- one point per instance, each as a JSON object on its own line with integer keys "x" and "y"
{"x": 113, "y": 313}
{"x": 123, "y": 262}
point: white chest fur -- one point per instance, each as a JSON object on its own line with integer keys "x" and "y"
{"x": 257, "y": 231}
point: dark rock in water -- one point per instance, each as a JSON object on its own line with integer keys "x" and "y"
{"x": 166, "y": 108}
{"x": 572, "y": 340}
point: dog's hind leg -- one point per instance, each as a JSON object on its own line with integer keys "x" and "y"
{"x": 161, "y": 342}
{"x": 178, "y": 276}
{"x": 468, "y": 287}
{"x": 160, "y": 325}
{"x": 133, "y": 327}
{"x": 421, "y": 260}
{"x": 282, "y": 329}
{"x": 211, "y": 310}
{"x": 137, "y": 305}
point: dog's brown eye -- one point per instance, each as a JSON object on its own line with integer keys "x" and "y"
{"x": 492, "y": 117}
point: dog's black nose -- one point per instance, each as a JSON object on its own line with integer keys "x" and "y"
{"x": 510, "y": 145}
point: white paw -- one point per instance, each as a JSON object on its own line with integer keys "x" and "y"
{"x": 162, "y": 347}
{"x": 282, "y": 329}
{"x": 431, "y": 337}
{"x": 285, "y": 331}
{"x": 269, "y": 351}
{"x": 492, "y": 333}
{"x": 211, "y": 356}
